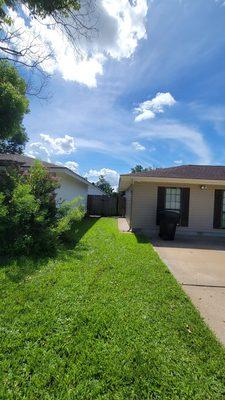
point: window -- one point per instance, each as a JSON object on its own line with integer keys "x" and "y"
{"x": 173, "y": 199}
{"x": 223, "y": 212}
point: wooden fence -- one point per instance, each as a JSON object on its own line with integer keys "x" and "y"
{"x": 106, "y": 206}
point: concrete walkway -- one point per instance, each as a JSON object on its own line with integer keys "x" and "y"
{"x": 198, "y": 264}
{"x": 123, "y": 225}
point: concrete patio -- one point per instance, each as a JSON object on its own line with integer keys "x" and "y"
{"x": 198, "y": 264}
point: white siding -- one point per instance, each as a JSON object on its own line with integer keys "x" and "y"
{"x": 71, "y": 188}
{"x": 95, "y": 191}
{"x": 201, "y": 208}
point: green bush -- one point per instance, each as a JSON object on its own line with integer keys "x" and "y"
{"x": 30, "y": 220}
{"x": 70, "y": 214}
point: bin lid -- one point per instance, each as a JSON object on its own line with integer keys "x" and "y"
{"x": 170, "y": 214}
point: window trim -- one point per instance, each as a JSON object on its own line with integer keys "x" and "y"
{"x": 173, "y": 209}
{"x": 222, "y": 211}
{"x": 184, "y": 204}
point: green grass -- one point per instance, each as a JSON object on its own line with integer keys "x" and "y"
{"x": 104, "y": 320}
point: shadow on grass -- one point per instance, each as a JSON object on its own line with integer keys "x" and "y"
{"x": 141, "y": 238}
{"x": 80, "y": 231}
{"x": 20, "y": 267}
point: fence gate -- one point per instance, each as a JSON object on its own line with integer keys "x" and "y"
{"x": 106, "y": 206}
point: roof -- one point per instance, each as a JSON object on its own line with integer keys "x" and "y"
{"x": 27, "y": 162}
{"x": 187, "y": 171}
{"x": 184, "y": 172}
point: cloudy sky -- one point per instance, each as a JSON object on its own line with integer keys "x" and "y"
{"x": 147, "y": 88}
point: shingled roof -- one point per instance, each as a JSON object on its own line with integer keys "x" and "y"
{"x": 207, "y": 172}
{"x": 27, "y": 162}
{"x": 23, "y": 160}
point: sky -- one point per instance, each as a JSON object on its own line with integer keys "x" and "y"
{"x": 147, "y": 88}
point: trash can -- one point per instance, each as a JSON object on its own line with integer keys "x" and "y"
{"x": 168, "y": 223}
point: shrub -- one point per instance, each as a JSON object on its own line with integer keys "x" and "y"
{"x": 70, "y": 214}
{"x": 30, "y": 221}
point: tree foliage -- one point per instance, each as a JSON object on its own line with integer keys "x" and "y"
{"x": 13, "y": 106}
{"x": 45, "y": 8}
{"x": 30, "y": 220}
{"x": 28, "y": 199}
{"x": 15, "y": 144}
{"x": 66, "y": 15}
{"x": 104, "y": 185}
{"x": 139, "y": 168}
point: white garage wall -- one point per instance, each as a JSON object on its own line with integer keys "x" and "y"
{"x": 71, "y": 188}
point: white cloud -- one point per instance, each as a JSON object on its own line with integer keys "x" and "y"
{"x": 51, "y": 146}
{"x": 72, "y": 165}
{"x": 110, "y": 175}
{"x": 178, "y": 162}
{"x": 137, "y": 146}
{"x": 59, "y": 145}
{"x": 37, "y": 150}
{"x": 30, "y": 155}
{"x": 190, "y": 137}
{"x": 149, "y": 108}
{"x": 144, "y": 114}
{"x": 120, "y": 25}
{"x": 90, "y": 144}
{"x": 220, "y": 2}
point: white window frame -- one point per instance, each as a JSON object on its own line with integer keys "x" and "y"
{"x": 174, "y": 201}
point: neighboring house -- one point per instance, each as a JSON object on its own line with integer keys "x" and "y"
{"x": 72, "y": 184}
{"x": 95, "y": 191}
{"x": 197, "y": 191}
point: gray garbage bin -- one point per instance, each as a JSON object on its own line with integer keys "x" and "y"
{"x": 169, "y": 220}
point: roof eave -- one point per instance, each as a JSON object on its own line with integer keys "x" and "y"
{"x": 127, "y": 180}
{"x": 74, "y": 175}
{"x": 67, "y": 171}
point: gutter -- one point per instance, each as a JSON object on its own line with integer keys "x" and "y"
{"x": 196, "y": 181}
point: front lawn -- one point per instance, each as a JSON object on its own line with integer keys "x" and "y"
{"x": 103, "y": 320}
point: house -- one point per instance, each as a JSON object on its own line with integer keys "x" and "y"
{"x": 95, "y": 191}
{"x": 197, "y": 191}
{"x": 72, "y": 184}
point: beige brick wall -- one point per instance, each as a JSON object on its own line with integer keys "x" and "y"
{"x": 201, "y": 208}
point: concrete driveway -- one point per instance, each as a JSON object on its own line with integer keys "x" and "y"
{"x": 198, "y": 264}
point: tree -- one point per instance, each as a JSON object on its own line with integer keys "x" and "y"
{"x": 104, "y": 185}
{"x": 139, "y": 168}
{"x": 44, "y": 8}
{"x": 31, "y": 222}
{"x": 13, "y": 107}
{"x": 29, "y": 209}
{"x": 15, "y": 144}
{"x": 67, "y": 15}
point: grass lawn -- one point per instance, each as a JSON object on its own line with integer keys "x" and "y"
{"x": 103, "y": 320}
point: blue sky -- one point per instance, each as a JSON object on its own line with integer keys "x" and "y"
{"x": 89, "y": 122}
